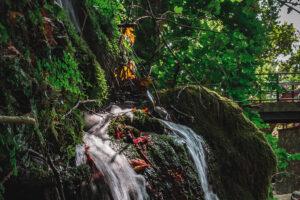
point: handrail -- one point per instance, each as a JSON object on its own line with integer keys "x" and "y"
{"x": 284, "y": 90}
{"x": 278, "y": 73}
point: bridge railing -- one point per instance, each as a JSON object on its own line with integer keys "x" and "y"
{"x": 278, "y": 87}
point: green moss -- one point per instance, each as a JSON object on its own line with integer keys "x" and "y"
{"x": 102, "y": 34}
{"x": 168, "y": 157}
{"x": 172, "y": 174}
{"x": 245, "y": 160}
{"x": 94, "y": 80}
{"x": 146, "y": 123}
{"x": 60, "y": 73}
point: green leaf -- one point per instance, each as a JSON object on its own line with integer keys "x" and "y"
{"x": 178, "y": 10}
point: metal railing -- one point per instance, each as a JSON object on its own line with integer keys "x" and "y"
{"x": 278, "y": 87}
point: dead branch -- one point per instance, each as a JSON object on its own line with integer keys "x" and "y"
{"x": 77, "y": 105}
{"x": 17, "y": 120}
{"x": 290, "y": 5}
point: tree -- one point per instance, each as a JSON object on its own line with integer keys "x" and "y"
{"x": 213, "y": 43}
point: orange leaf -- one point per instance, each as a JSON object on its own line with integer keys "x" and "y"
{"x": 139, "y": 165}
{"x": 145, "y": 110}
{"x": 128, "y": 33}
{"x": 126, "y": 72}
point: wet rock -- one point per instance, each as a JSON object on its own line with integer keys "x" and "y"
{"x": 244, "y": 162}
{"x": 295, "y": 195}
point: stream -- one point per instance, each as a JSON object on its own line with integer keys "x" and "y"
{"x": 122, "y": 180}
{"x": 195, "y": 145}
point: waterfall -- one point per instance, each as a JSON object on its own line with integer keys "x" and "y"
{"x": 67, "y": 5}
{"x": 151, "y": 98}
{"x": 158, "y": 109}
{"x": 123, "y": 182}
{"x": 195, "y": 147}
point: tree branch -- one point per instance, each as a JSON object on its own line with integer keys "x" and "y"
{"x": 17, "y": 120}
{"x": 77, "y": 105}
{"x": 289, "y": 6}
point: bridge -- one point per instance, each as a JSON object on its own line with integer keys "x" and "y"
{"x": 278, "y": 101}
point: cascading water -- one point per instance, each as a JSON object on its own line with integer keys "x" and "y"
{"x": 68, "y": 7}
{"x": 159, "y": 110}
{"x": 195, "y": 145}
{"x": 123, "y": 182}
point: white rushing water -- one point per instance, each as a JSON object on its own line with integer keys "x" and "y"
{"x": 159, "y": 110}
{"x": 123, "y": 182}
{"x": 195, "y": 147}
{"x": 69, "y": 8}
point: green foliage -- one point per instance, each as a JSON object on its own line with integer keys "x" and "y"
{"x": 110, "y": 9}
{"x": 3, "y": 34}
{"x": 213, "y": 43}
{"x": 61, "y": 74}
{"x": 255, "y": 118}
{"x": 270, "y": 195}
{"x": 35, "y": 17}
{"x": 178, "y": 10}
{"x": 283, "y": 157}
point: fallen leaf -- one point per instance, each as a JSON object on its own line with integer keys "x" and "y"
{"x": 139, "y": 165}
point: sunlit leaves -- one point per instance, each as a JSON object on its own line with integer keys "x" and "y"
{"x": 129, "y": 34}
{"x": 126, "y": 72}
{"x": 178, "y": 10}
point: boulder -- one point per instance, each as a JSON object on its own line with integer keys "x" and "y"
{"x": 244, "y": 161}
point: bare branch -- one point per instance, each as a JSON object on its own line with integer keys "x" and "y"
{"x": 17, "y": 120}
{"x": 78, "y": 104}
{"x": 287, "y": 4}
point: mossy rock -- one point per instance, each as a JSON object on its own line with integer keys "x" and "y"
{"x": 244, "y": 160}
{"x": 172, "y": 174}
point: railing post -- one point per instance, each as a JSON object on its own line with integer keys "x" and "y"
{"x": 277, "y": 86}
{"x": 293, "y": 92}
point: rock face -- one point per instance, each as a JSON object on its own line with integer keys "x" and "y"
{"x": 244, "y": 161}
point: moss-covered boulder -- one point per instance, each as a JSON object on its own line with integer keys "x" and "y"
{"x": 171, "y": 173}
{"x": 244, "y": 160}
